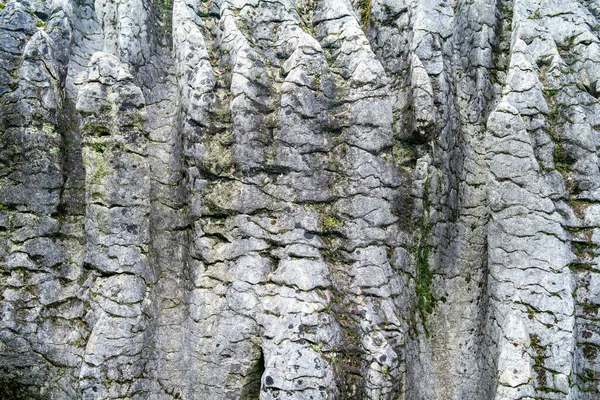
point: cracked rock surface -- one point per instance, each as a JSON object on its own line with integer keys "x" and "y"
{"x": 299, "y": 199}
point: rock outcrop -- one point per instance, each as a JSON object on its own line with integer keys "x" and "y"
{"x": 300, "y": 199}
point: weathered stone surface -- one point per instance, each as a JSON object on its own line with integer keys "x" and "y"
{"x": 303, "y": 199}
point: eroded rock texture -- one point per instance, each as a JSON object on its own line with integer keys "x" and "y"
{"x": 299, "y": 199}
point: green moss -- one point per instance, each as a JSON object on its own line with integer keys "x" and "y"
{"x": 101, "y": 172}
{"x": 2, "y": 5}
{"x": 165, "y": 8}
{"x": 164, "y": 16}
{"x": 538, "y": 350}
{"x": 560, "y": 163}
{"x": 405, "y": 155}
{"x": 22, "y": 272}
{"x": 216, "y": 211}
{"x": 318, "y": 347}
{"x": 330, "y": 223}
{"x": 590, "y": 308}
{"x": 580, "y": 267}
{"x": 271, "y": 122}
{"x": 535, "y": 341}
{"x": 213, "y": 170}
{"x": 538, "y": 356}
{"x": 584, "y": 248}
{"x": 334, "y": 131}
{"x": 550, "y": 92}
{"x": 365, "y": 11}
{"x": 424, "y": 275}
{"x": 424, "y": 278}
{"x": 98, "y": 147}
{"x": 579, "y": 246}
{"x": 590, "y": 352}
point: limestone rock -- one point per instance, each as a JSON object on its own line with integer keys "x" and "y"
{"x": 349, "y": 199}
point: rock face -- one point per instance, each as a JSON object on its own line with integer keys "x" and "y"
{"x": 300, "y": 199}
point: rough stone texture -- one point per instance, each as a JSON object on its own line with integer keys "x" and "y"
{"x": 300, "y": 199}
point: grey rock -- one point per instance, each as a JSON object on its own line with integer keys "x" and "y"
{"x": 353, "y": 199}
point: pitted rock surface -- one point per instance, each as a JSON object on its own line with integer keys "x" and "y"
{"x": 300, "y": 199}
